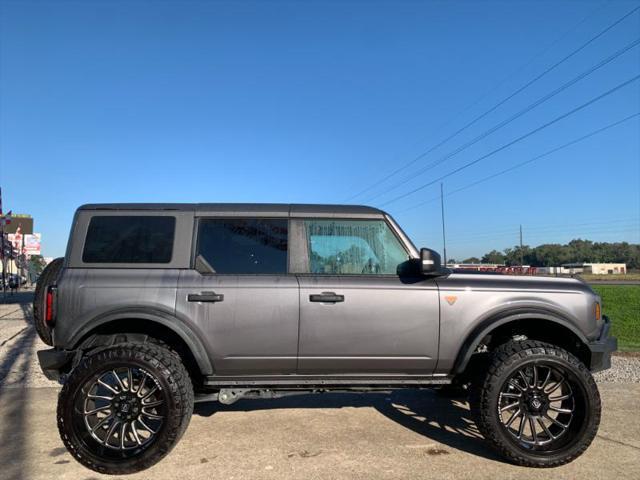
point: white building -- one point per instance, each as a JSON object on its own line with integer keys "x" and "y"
{"x": 605, "y": 268}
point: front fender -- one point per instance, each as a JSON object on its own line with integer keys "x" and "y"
{"x": 508, "y": 315}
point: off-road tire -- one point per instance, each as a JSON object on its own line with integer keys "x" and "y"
{"x": 47, "y": 277}
{"x": 505, "y": 360}
{"x": 176, "y": 388}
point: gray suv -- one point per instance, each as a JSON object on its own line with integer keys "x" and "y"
{"x": 155, "y": 306}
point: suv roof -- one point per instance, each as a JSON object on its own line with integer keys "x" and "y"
{"x": 279, "y": 209}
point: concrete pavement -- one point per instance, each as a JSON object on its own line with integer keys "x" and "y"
{"x": 407, "y": 434}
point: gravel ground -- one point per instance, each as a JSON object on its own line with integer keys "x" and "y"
{"x": 19, "y": 343}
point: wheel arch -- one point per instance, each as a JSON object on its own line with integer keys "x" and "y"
{"x": 151, "y": 323}
{"x": 539, "y": 324}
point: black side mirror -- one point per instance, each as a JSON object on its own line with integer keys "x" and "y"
{"x": 430, "y": 263}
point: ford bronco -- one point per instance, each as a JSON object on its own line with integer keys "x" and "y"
{"x": 155, "y": 306}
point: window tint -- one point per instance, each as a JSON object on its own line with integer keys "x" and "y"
{"x": 244, "y": 246}
{"x": 353, "y": 247}
{"x": 129, "y": 239}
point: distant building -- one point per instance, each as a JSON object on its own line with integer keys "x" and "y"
{"x": 578, "y": 268}
{"x": 605, "y": 268}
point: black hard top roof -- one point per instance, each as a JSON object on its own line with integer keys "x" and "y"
{"x": 278, "y": 209}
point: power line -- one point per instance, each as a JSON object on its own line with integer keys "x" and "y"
{"x": 520, "y": 138}
{"x": 514, "y": 117}
{"x": 486, "y": 94}
{"x": 471, "y": 238}
{"x": 502, "y": 102}
{"x": 526, "y": 162}
{"x": 552, "y": 227}
{"x": 563, "y": 233}
{"x": 474, "y": 236}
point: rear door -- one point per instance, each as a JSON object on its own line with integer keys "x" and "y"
{"x": 241, "y": 297}
{"x": 358, "y": 315}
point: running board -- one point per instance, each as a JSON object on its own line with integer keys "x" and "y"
{"x": 324, "y": 381}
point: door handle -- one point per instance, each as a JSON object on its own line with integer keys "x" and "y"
{"x": 205, "y": 297}
{"x": 326, "y": 297}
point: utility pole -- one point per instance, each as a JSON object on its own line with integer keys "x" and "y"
{"x": 521, "y": 251}
{"x": 444, "y": 237}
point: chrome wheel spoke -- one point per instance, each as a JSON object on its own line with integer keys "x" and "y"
{"x": 152, "y": 416}
{"x": 118, "y": 379}
{"x": 546, "y": 380}
{"x": 509, "y": 407}
{"x": 99, "y": 397}
{"x": 110, "y": 432}
{"x": 97, "y": 409}
{"x": 522, "y": 423}
{"x": 511, "y": 395}
{"x": 561, "y": 425}
{"x": 141, "y": 387}
{"x": 130, "y": 379}
{"x": 561, "y": 410}
{"x": 516, "y": 385}
{"x": 123, "y": 430}
{"x": 515, "y": 415}
{"x": 152, "y": 404}
{"x": 534, "y": 435}
{"x": 146, "y": 427}
{"x": 107, "y": 386}
{"x": 100, "y": 423}
{"x": 150, "y": 392}
{"x": 563, "y": 397}
{"x": 135, "y": 433}
{"x": 524, "y": 378}
{"x": 546, "y": 429}
{"x": 557, "y": 385}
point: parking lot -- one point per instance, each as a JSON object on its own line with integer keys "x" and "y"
{"x": 405, "y": 434}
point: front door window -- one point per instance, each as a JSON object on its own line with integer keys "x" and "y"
{"x": 353, "y": 247}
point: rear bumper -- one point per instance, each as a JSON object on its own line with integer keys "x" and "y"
{"x": 54, "y": 362}
{"x": 602, "y": 348}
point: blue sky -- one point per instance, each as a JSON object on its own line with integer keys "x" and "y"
{"x": 132, "y": 101}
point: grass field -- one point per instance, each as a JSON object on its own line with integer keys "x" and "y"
{"x": 621, "y": 303}
{"x": 589, "y": 277}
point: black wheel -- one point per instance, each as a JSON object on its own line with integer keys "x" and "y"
{"x": 124, "y": 408}
{"x": 47, "y": 277}
{"x": 539, "y": 405}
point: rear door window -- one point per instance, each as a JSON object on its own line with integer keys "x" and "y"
{"x": 129, "y": 239}
{"x": 244, "y": 245}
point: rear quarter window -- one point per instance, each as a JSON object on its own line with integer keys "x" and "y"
{"x": 129, "y": 239}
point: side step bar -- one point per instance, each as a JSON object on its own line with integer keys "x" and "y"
{"x": 325, "y": 381}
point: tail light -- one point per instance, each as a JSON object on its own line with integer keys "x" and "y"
{"x": 49, "y": 306}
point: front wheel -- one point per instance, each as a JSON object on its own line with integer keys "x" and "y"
{"x": 124, "y": 408}
{"x": 539, "y": 405}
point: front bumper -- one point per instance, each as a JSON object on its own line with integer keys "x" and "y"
{"x": 602, "y": 348}
{"x": 54, "y": 362}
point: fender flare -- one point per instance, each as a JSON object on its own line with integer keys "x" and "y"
{"x": 498, "y": 319}
{"x": 188, "y": 336}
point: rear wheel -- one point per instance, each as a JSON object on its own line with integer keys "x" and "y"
{"x": 539, "y": 405}
{"x": 47, "y": 278}
{"x": 125, "y": 407}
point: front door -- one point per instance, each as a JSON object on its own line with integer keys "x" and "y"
{"x": 240, "y": 296}
{"x": 357, "y": 314}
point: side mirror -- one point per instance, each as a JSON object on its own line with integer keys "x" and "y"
{"x": 430, "y": 263}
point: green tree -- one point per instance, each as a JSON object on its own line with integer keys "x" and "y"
{"x": 494, "y": 256}
{"x": 471, "y": 260}
{"x": 36, "y": 264}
